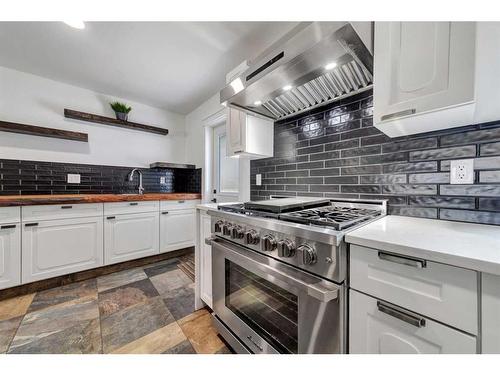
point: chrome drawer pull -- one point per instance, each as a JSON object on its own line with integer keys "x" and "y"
{"x": 406, "y": 261}
{"x": 394, "y": 115}
{"x": 254, "y": 343}
{"x": 8, "y": 226}
{"x": 406, "y": 317}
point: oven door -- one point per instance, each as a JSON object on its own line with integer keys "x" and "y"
{"x": 272, "y": 307}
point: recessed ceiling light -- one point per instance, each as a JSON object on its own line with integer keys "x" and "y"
{"x": 237, "y": 85}
{"x": 330, "y": 66}
{"x": 287, "y": 87}
{"x": 75, "y": 24}
{"x": 258, "y": 102}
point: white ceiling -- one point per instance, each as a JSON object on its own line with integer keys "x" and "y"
{"x": 171, "y": 65}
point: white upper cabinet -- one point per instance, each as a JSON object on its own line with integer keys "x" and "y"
{"x": 424, "y": 76}
{"x": 249, "y": 136}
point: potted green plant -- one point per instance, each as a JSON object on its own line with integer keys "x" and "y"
{"x": 121, "y": 110}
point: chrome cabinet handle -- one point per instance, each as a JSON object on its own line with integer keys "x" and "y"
{"x": 66, "y": 207}
{"x": 406, "y": 261}
{"x": 255, "y": 343}
{"x": 8, "y": 226}
{"x": 400, "y": 314}
{"x": 31, "y": 225}
{"x": 394, "y": 115}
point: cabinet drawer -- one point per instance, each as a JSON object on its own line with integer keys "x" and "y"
{"x": 178, "y": 205}
{"x": 177, "y": 229}
{"x": 130, "y": 207}
{"x": 445, "y": 293}
{"x": 376, "y": 327}
{"x": 61, "y": 211}
{"x": 10, "y": 214}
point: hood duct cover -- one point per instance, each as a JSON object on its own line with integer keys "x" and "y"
{"x": 306, "y": 70}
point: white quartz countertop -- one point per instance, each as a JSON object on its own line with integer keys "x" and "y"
{"x": 207, "y": 206}
{"x": 473, "y": 246}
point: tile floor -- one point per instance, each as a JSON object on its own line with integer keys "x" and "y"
{"x": 141, "y": 310}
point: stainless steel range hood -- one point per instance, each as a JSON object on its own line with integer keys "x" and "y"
{"x": 314, "y": 64}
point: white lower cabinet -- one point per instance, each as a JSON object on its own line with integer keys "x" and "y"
{"x": 490, "y": 313}
{"x": 177, "y": 229}
{"x": 10, "y": 255}
{"x": 130, "y": 236}
{"x": 205, "y": 260}
{"x": 376, "y": 327}
{"x": 58, "y": 247}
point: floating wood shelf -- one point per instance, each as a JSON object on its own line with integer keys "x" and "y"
{"x": 13, "y": 127}
{"x": 89, "y": 117}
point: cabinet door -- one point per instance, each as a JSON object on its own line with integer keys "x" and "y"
{"x": 235, "y": 128}
{"x": 130, "y": 236}
{"x": 421, "y": 67}
{"x": 58, "y": 247}
{"x": 177, "y": 229}
{"x": 490, "y": 313}
{"x": 10, "y": 255}
{"x": 205, "y": 260}
{"x": 376, "y": 329}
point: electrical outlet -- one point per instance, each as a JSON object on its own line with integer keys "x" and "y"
{"x": 163, "y": 180}
{"x": 73, "y": 178}
{"x": 462, "y": 171}
{"x": 258, "y": 179}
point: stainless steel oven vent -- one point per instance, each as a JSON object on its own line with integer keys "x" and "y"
{"x": 317, "y": 65}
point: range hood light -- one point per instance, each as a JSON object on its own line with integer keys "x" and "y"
{"x": 257, "y": 103}
{"x": 287, "y": 88}
{"x": 237, "y": 85}
{"x": 75, "y": 24}
{"x": 224, "y": 104}
{"x": 330, "y": 66}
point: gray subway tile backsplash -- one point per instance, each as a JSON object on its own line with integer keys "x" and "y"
{"x": 344, "y": 156}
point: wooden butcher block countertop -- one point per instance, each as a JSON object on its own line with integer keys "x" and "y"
{"x": 31, "y": 200}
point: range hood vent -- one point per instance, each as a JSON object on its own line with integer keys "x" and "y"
{"x": 294, "y": 80}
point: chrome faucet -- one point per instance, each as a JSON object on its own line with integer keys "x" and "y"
{"x": 131, "y": 178}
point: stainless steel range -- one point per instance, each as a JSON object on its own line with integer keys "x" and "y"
{"x": 279, "y": 270}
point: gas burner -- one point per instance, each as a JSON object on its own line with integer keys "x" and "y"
{"x": 331, "y": 216}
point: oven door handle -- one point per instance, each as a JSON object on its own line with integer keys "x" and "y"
{"x": 321, "y": 290}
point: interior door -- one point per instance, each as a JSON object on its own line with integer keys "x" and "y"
{"x": 226, "y": 169}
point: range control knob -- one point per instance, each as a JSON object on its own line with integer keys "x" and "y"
{"x": 226, "y": 229}
{"x": 252, "y": 237}
{"x": 268, "y": 242}
{"x": 286, "y": 248}
{"x": 309, "y": 255}
{"x": 237, "y": 232}
{"x": 218, "y": 226}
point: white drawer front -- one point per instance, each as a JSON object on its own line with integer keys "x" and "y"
{"x": 445, "y": 293}
{"x": 10, "y": 214}
{"x": 61, "y": 211}
{"x": 372, "y": 330}
{"x": 178, "y": 205}
{"x": 117, "y": 208}
{"x": 58, "y": 247}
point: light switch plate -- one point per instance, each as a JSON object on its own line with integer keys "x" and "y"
{"x": 73, "y": 178}
{"x": 258, "y": 179}
{"x": 462, "y": 171}
{"x": 163, "y": 180}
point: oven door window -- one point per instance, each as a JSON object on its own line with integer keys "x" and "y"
{"x": 268, "y": 309}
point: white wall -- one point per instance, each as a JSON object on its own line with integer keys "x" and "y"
{"x": 196, "y": 150}
{"x": 30, "y": 99}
